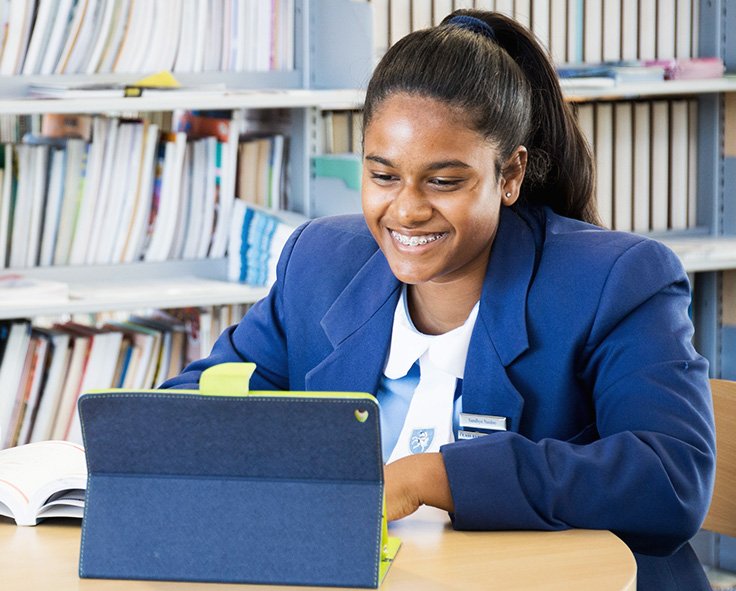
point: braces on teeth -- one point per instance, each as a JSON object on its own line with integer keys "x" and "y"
{"x": 414, "y": 240}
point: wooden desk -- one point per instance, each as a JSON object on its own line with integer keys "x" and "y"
{"x": 433, "y": 557}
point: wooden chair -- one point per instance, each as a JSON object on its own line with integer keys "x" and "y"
{"x": 721, "y": 516}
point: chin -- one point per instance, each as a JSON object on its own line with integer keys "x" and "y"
{"x": 410, "y": 276}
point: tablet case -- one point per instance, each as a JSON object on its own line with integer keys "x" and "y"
{"x": 226, "y": 485}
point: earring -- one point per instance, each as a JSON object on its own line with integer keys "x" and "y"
{"x": 508, "y": 196}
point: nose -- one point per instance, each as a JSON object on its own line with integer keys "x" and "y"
{"x": 411, "y": 206}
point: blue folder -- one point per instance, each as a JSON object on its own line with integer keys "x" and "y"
{"x": 226, "y": 485}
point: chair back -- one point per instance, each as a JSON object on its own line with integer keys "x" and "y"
{"x": 721, "y": 516}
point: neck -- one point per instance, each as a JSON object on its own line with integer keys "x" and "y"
{"x": 437, "y": 308}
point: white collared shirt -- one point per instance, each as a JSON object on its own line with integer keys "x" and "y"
{"x": 427, "y": 423}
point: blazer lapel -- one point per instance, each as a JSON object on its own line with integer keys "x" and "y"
{"x": 358, "y": 325}
{"x": 500, "y": 333}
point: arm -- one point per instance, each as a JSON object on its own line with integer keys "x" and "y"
{"x": 259, "y": 337}
{"x": 649, "y": 476}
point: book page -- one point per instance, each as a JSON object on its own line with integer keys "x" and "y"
{"x": 30, "y": 474}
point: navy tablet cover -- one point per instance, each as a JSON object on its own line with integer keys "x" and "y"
{"x": 283, "y": 489}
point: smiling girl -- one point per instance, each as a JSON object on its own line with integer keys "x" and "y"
{"x": 534, "y": 370}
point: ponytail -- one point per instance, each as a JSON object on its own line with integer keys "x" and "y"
{"x": 507, "y": 86}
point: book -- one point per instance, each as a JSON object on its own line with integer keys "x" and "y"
{"x": 98, "y": 370}
{"x": 18, "y": 33}
{"x": 660, "y": 166}
{"x": 164, "y": 224}
{"x": 91, "y": 194}
{"x": 679, "y": 168}
{"x": 135, "y": 235}
{"x": 16, "y": 338}
{"x": 76, "y": 160}
{"x": 60, "y": 25}
{"x": 642, "y": 172}
{"x": 666, "y": 31}
{"x": 118, "y": 216}
{"x": 6, "y": 200}
{"x": 40, "y": 35}
{"x": 53, "y": 383}
{"x": 84, "y": 45}
{"x": 690, "y": 68}
{"x": 593, "y": 31}
{"x": 78, "y": 14}
{"x": 623, "y": 166}
{"x": 115, "y": 38}
{"x": 558, "y": 32}
{"x": 692, "y": 184}
{"x": 42, "y": 480}
{"x": 648, "y": 29}
{"x": 604, "y": 141}
{"x": 79, "y": 349}
{"x": 539, "y": 21}
{"x": 684, "y": 37}
{"x": 421, "y": 14}
{"x": 101, "y": 36}
{"x": 629, "y": 29}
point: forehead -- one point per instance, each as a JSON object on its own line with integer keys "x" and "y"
{"x": 408, "y": 123}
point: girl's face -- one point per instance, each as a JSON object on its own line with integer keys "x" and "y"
{"x": 430, "y": 193}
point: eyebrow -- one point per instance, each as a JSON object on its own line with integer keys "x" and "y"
{"x": 433, "y": 166}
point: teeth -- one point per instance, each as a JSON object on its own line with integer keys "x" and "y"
{"x": 415, "y": 240}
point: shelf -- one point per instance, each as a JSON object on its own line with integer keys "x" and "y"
{"x": 704, "y": 253}
{"x": 627, "y": 91}
{"x": 322, "y": 99}
{"x": 234, "y": 99}
{"x": 92, "y": 298}
{"x": 174, "y": 284}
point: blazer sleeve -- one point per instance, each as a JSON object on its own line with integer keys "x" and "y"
{"x": 259, "y": 338}
{"x": 649, "y": 476}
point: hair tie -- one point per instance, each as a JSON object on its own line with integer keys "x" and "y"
{"x": 474, "y": 24}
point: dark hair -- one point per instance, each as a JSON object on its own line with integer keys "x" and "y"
{"x": 508, "y": 89}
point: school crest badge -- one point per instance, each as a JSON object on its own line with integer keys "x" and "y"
{"x": 420, "y": 440}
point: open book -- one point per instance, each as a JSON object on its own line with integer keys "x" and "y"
{"x": 43, "y": 479}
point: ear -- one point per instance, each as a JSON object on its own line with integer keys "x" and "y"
{"x": 512, "y": 176}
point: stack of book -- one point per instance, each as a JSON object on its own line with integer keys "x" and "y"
{"x": 646, "y": 156}
{"x": 571, "y": 30}
{"x": 257, "y": 237}
{"x": 610, "y": 73}
{"x": 121, "y": 36}
{"x": 128, "y": 191}
{"x": 43, "y": 369}
{"x": 690, "y": 68}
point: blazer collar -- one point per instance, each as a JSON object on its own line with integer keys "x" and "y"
{"x": 510, "y": 272}
{"x": 366, "y": 293}
{"x": 358, "y": 325}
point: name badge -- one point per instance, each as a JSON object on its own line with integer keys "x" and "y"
{"x": 483, "y": 421}
{"x": 461, "y": 435}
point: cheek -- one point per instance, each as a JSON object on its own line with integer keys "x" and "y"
{"x": 373, "y": 201}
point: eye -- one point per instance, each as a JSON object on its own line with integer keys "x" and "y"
{"x": 383, "y": 178}
{"x": 445, "y": 184}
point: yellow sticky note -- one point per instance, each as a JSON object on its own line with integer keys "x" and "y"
{"x": 159, "y": 80}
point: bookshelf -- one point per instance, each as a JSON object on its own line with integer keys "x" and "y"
{"x": 318, "y": 79}
{"x": 195, "y": 290}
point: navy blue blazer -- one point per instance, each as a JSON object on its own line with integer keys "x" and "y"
{"x": 583, "y": 341}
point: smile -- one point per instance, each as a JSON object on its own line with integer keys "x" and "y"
{"x": 416, "y": 240}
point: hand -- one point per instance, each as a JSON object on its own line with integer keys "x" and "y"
{"x": 414, "y": 481}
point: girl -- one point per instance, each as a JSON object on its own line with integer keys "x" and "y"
{"x": 534, "y": 370}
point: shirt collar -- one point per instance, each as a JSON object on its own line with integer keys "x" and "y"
{"x": 447, "y": 351}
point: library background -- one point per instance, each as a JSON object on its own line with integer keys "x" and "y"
{"x": 140, "y": 217}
